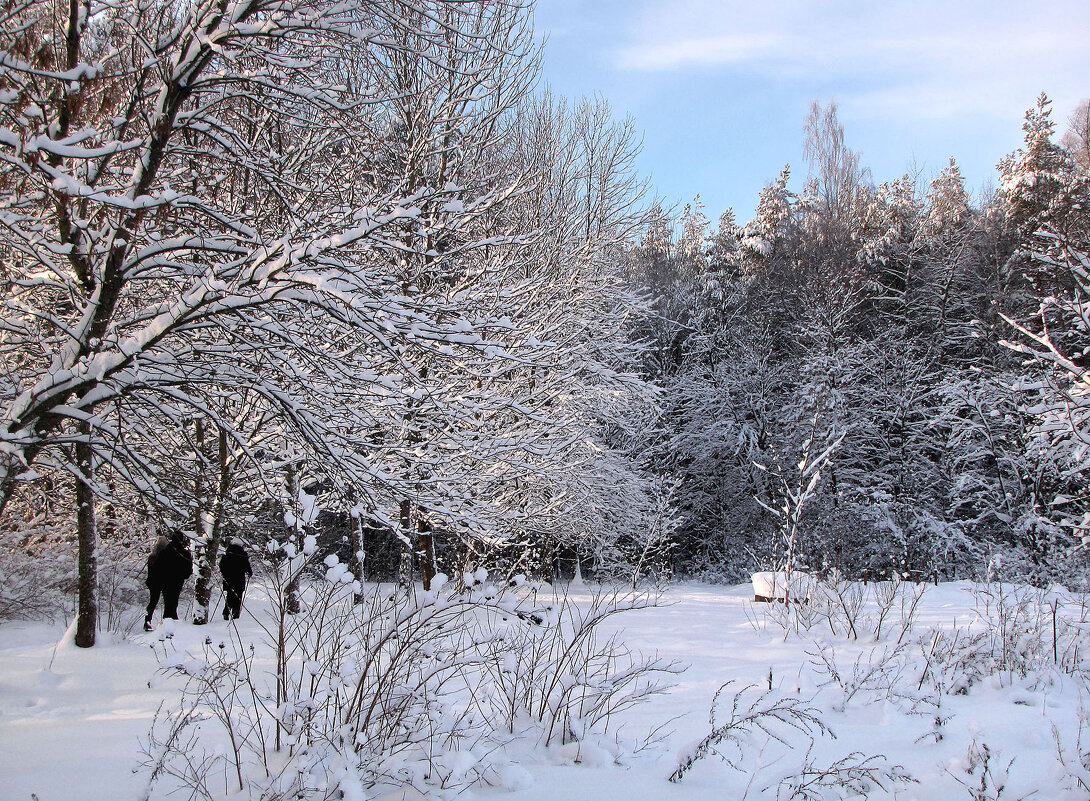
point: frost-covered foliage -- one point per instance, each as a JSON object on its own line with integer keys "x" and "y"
{"x": 395, "y": 688}
{"x": 264, "y": 246}
{"x": 1056, "y": 394}
{"x": 560, "y": 681}
{"x": 1026, "y": 643}
{"x": 1040, "y": 184}
{"x": 880, "y": 312}
{"x": 38, "y": 559}
{"x": 762, "y": 715}
{"x": 1047, "y": 197}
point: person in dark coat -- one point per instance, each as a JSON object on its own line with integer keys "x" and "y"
{"x": 235, "y": 569}
{"x": 169, "y": 565}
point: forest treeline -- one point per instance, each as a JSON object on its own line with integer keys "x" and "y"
{"x": 875, "y": 378}
{"x": 279, "y": 268}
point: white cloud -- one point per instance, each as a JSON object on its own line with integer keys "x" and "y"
{"x": 940, "y": 55}
{"x": 706, "y": 51}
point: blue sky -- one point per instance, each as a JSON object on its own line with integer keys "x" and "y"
{"x": 720, "y": 89}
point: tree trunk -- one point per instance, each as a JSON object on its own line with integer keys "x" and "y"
{"x": 404, "y": 535}
{"x": 425, "y": 549}
{"x": 87, "y": 612}
{"x": 295, "y": 534}
{"x": 7, "y": 483}
{"x": 198, "y": 479}
{"x": 356, "y": 545}
{"x": 202, "y": 591}
{"x": 200, "y": 615}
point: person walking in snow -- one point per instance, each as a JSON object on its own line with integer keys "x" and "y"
{"x": 235, "y": 569}
{"x": 169, "y": 565}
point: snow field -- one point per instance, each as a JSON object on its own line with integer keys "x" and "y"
{"x": 959, "y": 705}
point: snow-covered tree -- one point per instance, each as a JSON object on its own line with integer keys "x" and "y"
{"x": 185, "y": 215}
{"x": 1057, "y": 399}
{"x": 723, "y": 247}
{"x": 762, "y": 237}
{"x": 1076, "y": 139}
{"x": 1038, "y": 185}
{"x": 585, "y": 490}
{"x": 836, "y": 175}
{"x": 694, "y": 229}
{"x": 1044, "y": 197}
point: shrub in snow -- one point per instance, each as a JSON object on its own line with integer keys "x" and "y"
{"x": 978, "y": 773}
{"x": 1022, "y": 642}
{"x": 402, "y": 688}
{"x": 565, "y": 679}
{"x": 38, "y": 566}
{"x": 751, "y": 711}
{"x": 1025, "y": 629}
{"x": 1020, "y": 634}
{"x": 882, "y": 673}
{"x": 1073, "y": 758}
{"x": 379, "y": 690}
{"x": 848, "y": 609}
{"x": 757, "y": 718}
{"x": 854, "y": 775}
{"x": 37, "y": 571}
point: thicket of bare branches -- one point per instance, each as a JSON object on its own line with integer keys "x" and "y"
{"x": 257, "y": 249}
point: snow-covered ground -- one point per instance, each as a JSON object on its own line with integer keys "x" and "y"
{"x": 71, "y": 721}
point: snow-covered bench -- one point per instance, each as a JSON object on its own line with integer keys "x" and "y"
{"x": 771, "y": 586}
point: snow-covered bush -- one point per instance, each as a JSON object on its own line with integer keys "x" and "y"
{"x": 763, "y": 720}
{"x": 849, "y": 609}
{"x": 752, "y": 710}
{"x": 1073, "y": 758}
{"x": 561, "y": 679}
{"x": 870, "y": 610}
{"x": 121, "y": 590}
{"x": 979, "y": 774}
{"x": 402, "y": 688}
{"x": 37, "y": 557}
{"x": 355, "y": 695}
{"x": 1019, "y": 641}
{"x": 882, "y": 673}
{"x": 34, "y": 584}
{"x": 1020, "y": 633}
